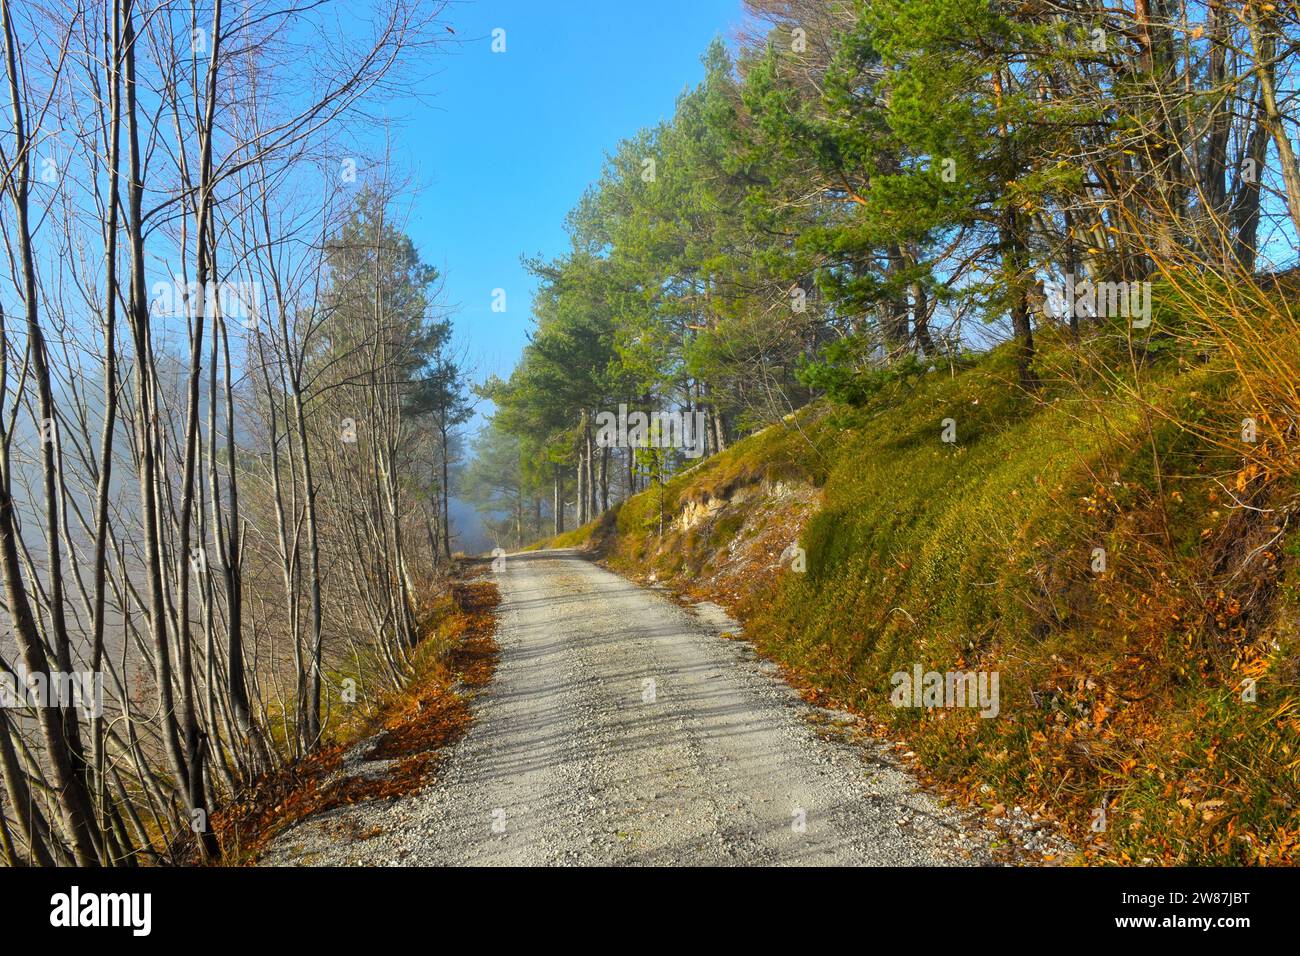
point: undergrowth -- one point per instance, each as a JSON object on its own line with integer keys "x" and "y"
{"x": 410, "y": 727}
{"x": 1132, "y": 582}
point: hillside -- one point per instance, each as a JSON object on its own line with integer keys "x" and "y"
{"x": 1123, "y": 713}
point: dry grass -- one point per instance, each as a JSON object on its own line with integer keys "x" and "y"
{"x": 1120, "y": 690}
{"x": 411, "y": 728}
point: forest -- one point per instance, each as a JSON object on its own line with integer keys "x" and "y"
{"x": 227, "y": 388}
{"x": 864, "y": 191}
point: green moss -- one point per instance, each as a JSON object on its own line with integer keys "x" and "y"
{"x": 978, "y": 554}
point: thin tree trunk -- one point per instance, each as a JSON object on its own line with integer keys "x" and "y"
{"x": 446, "y": 489}
{"x": 58, "y": 724}
{"x": 147, "y": 424}
{"x": 1263, "y": 38}
{"x": 590, "y": 457}
{"x": 558, "y": 499}
{"x": 604, "y": 479}
{"x": 582, "y": 470}
{"x": 1244, "y": 217}
{"x": 31, "y": 823}
{"x": 111, "y": 289}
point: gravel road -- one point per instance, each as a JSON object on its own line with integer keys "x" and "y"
{"x": 621, "y": 728}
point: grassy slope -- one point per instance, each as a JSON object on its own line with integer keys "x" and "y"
{"x": 1118, "y": 690}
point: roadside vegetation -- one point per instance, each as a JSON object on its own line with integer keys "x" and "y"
{"x": 991, "y": 313}
{"x": 1157, "y": 685}
{"x": 228, "y": 405}
{"x": 406, "y": 731}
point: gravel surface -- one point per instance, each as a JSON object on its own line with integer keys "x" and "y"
{"x": 623, "y": 729}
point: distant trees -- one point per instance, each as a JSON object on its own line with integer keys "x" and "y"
{"x": 870, "y": 175}
{"x": 442, "y": 395}
{"x": 213, "y": 345}
{"x": 496, "y": 483}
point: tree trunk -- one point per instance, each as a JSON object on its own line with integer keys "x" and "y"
{"x": 590, "y": 449}
{"x": 604, "y": 479}
{"x": 58, "y": 724}
{"x": 446, "y": 489}
{"x": 582, "y": 470}
{"x": 1214, "y": 164}
{"x": 1245, "y": 200}
{"x": 112, "y": 289}
{"x": 1071, "y": 264}
{"x": 558, "y": 500}
{"x": 1013, "y": 266}
{"x": 31, "y": 823}
{"x": 1263, "y": 38}
{"x": 146, "y": 428}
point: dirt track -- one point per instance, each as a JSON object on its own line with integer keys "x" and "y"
{"x": 622, "y": 729}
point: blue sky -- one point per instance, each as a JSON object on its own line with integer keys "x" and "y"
{"x": 508, "y": 142}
